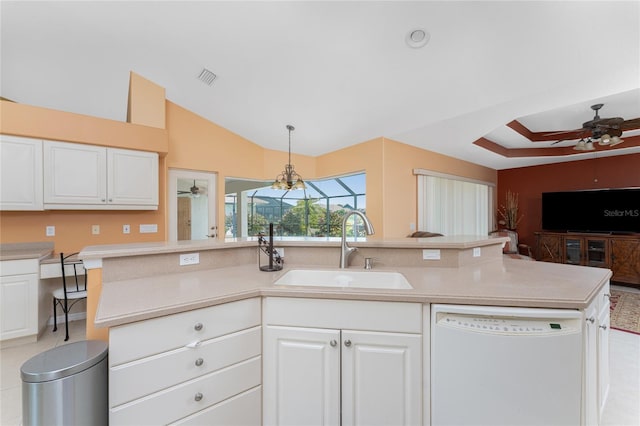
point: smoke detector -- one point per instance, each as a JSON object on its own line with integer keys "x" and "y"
{"x": 417, "y": 38}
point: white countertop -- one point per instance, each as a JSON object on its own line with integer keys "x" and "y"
{"x": 501, "y": 282}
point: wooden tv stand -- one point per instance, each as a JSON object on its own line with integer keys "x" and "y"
{"x": 620, "y": 253}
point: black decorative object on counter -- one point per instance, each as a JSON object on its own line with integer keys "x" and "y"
{"x": 275, "y": 260}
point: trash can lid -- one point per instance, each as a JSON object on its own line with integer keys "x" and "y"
{"x": 63, "y": 361}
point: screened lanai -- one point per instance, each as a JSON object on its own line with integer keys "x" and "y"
{"x": 316, "y": 211}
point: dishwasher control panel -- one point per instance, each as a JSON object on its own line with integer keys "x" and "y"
{"x": 506, "y": 325}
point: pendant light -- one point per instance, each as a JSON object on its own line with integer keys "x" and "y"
{"x": 289, "y": 179}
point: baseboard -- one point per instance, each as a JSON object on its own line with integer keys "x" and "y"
{"x": 72, "y": 317}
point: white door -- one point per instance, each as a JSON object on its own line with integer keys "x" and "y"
{"x": 202, "y": 211}
{"x": 381, "y": 378}
{"x": 20, "y": 173}
{"x": 301, "y": 376}
{"x": 74, "y": 173}
{"x": 132, "y": 177}
{"x": 19, "y": 300}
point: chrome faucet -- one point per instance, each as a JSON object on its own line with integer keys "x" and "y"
{"x": 345, "y": 250}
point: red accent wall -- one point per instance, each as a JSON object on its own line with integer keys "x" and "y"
{"x": 529, "y": 183}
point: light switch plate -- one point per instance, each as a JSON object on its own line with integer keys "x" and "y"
{"x": 126, "y": 229}
{"x": 95, "y": 229}
{"x": 149, "y": 228}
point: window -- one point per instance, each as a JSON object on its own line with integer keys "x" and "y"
{"x": 314, "y": 212}
{"x": 452, "y": 205}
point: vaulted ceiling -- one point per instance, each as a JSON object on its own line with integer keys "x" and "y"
{"x": 343, "y": 72}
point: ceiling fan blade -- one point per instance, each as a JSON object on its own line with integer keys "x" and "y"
{"x": 632, "y": 124}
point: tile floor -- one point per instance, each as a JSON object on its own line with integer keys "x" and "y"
{"x": 623, "y": 404}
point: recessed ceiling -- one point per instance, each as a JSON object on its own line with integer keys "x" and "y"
{"x": 340, "y": 72}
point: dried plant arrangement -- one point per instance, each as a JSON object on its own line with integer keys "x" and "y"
{"x": 509, "y": 211}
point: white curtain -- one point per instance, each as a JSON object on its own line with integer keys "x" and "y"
{"x": 454, "y": 206}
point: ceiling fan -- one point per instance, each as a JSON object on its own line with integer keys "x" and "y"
{"x": 194, "y": 191}
{"x": 604, "y": 131}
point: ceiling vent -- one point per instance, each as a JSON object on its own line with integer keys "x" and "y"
{"x": 206, "y": 76}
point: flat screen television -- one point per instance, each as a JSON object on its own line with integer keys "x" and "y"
{"x": 602, "y": 210}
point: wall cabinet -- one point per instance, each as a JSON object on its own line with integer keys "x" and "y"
{"x": 333, "y": 375}
{"x": 194, "y": 367}
{"x": 20, "y": 173}
{"x": 78, "y": 176}
{"x": 620, "y": 253}
{"x": 19, "y": 298}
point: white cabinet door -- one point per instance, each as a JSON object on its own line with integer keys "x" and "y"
{"x": 603, "y": 356}
{"x": 381, "y": 378}
{"x": 74, "y": 174}
{"x": 20, "y": 173}
{"x": 301, "y": 382}
{"x": 132, "y": 177}
{"x": 591, "y": 405}
{"x": 19, "y": 300}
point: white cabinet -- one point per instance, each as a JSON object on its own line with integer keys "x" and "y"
{"x": 19, "y": 298}
{"x": 20, "y": 173}
{"x": 191, "y": 368}
{"x": 596, "y": 357}
{"x": 315, "y": 375}
{"x": 78, "y": 176}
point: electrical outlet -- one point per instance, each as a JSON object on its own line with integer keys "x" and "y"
{"x": 189, "y": 259}
{"x": 95, "y": 229}
{"x": 280, "y": 251}
{"x": 50, "y": 231}
{"x": 149, "y": 228}
{"x": 126, "y": 229}
{"x": 431, "y": 254}
{"x": 476, "y": 252}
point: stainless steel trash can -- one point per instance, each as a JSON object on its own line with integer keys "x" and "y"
{"x": 67, "y": 385}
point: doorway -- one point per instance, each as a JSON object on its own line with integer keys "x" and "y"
{"x": 192, "y": 205}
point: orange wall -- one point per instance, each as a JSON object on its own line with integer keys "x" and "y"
{"x": 400, "y": 184}
{"x": 146, "y": 104}
{"x": 530, "y": 182}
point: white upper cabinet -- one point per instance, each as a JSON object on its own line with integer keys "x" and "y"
{"x": 132, "y": 177}
{"x": 20, "y": 173}
{"x": 78, "y": 176}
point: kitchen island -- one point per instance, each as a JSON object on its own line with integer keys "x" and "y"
{"x": 149, "y": 301}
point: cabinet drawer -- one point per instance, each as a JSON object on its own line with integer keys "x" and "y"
{"x": 138, "y": 340}
{"x": 241, "y": 410}
{"x": 139, "y": 378}
{"x": 338, "y": 314}
{"x": 19, "y": 267}
{"x": 185, "y": 399}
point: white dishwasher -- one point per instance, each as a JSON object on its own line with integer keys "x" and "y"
{"x": 505, "y": 366}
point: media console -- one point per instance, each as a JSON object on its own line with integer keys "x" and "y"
{"x": 620, "y": 253}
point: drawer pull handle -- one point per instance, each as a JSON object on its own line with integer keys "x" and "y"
{"x": 347, "y": 343}
{"x": 193, "y": 344}
{"x": 333, "y": 343}
{"x": 591, "y": 320}
{"x": 198, "y": 397}
{"x": 604, "y": 327}
{"x": 198, "y": 326}
{"x": 199, "y": 362}
{"x": 607, "y": 295}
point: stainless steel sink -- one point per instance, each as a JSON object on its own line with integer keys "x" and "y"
{"x": 344, "y": 278}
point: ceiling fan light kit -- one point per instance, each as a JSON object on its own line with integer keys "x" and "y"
{"x": 288, "y": 179}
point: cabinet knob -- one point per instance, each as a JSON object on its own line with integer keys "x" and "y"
{"x": 347, "y": 343}
{"x": 111, "y": 200}
{"x": 198, "y": 396}
{"x": 603, "y": 326}
{"x": 198, "y": 326}
{"x": 199, "y": 362}
{"x": 591, "y": 320}
{"x": 103, "y": 200}
{"x": 607, "y": 295}
{"x": 333, "y": 343}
